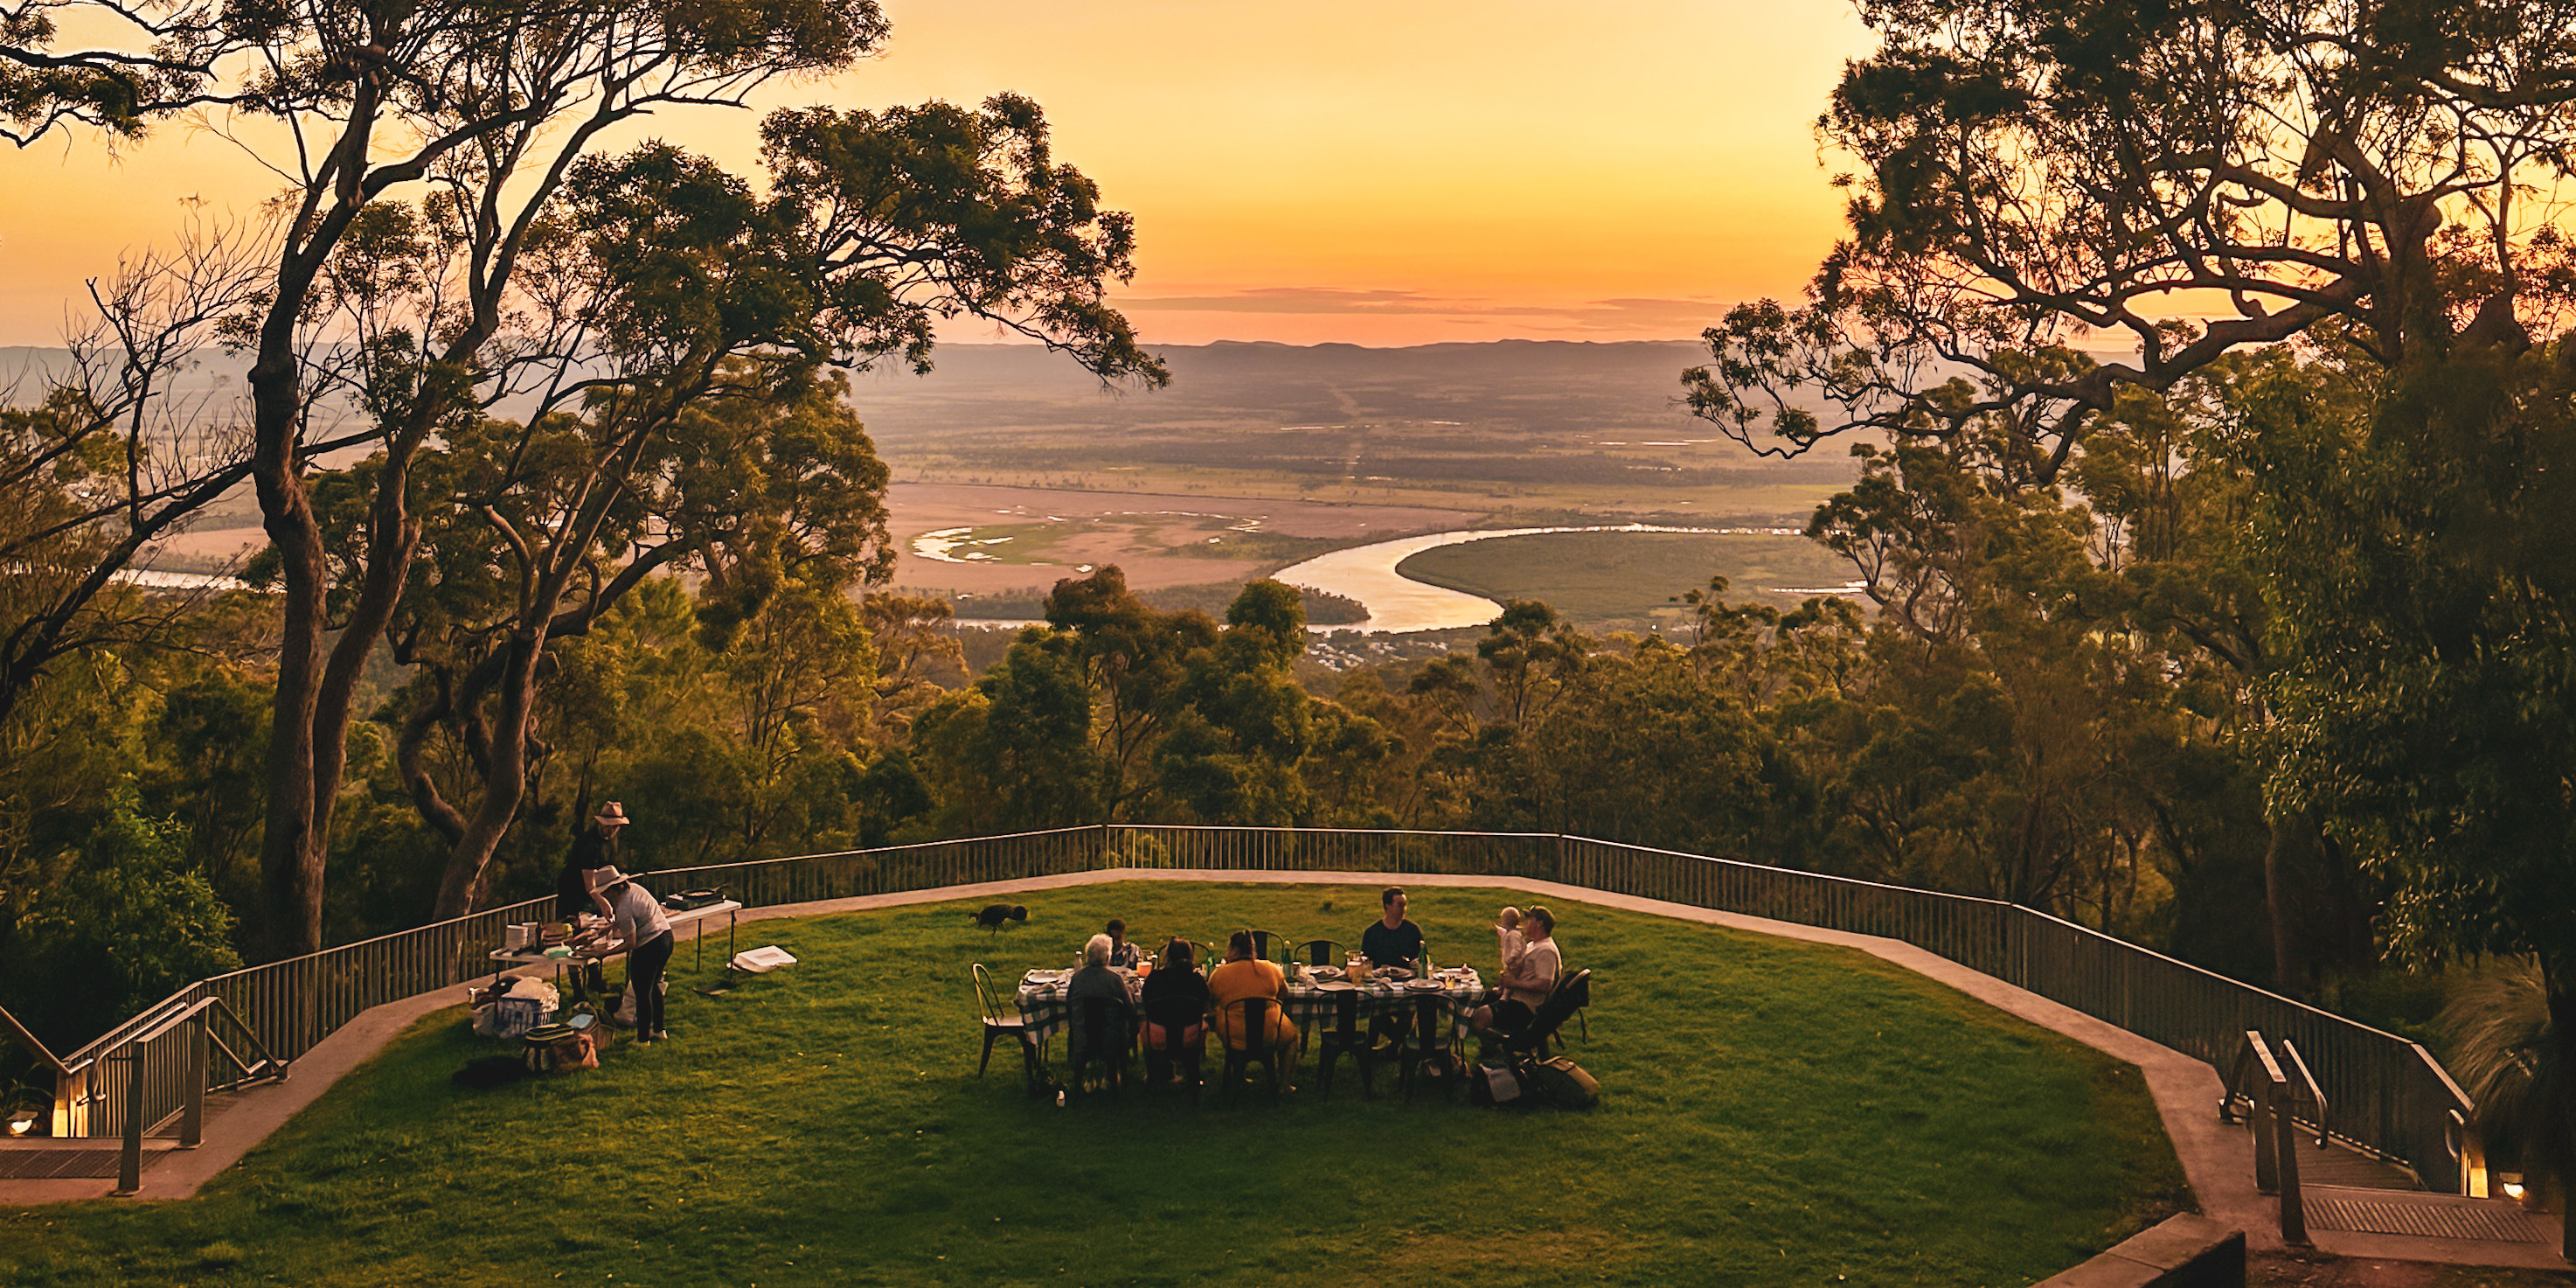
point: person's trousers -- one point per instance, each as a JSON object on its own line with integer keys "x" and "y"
{"x": 644, "y": 971}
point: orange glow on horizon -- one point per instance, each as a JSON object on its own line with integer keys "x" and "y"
{"x": 1331, "y": 172}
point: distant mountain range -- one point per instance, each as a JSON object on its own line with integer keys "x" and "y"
{"x": 1514, "y": 411}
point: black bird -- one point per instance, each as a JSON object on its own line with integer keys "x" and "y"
{"x": 993, "y": 915}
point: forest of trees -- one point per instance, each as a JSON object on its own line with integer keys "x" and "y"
{"x": 2243, "y": 636}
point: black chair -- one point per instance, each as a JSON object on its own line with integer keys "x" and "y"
{"x": 1429, "y": 1038}
{"x": 1160, "y": 1062}
{"x": 1251, "y": 1021}
{"x": 1104, "y": 1032}
{"x": 1342, "y": 1036}
{"x": 999, "y": 1024}
{"x": 1319, "y": 952}
{"x": 1581, "y": 1025}
{"x": 1263, "y": 941}
{"x": 1530, "y": 1041}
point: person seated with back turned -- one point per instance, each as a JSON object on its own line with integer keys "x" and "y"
{"x": 1527, "y": 981}
{"x": 1122, "y": 953}
{"x": 1176, "y": 1006}
{"x": 1095, "y": 979}
{"x": 1391, "y": 940}
{"x": 1244, "y": 976}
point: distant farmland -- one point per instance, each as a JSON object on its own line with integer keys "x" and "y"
{"x": 1628, "y": 579}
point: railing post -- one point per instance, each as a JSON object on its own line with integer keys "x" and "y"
{"x": 129, "y": 1159}
{"x": 71, "y": 1104}
{"x": 192, "y": 1117}
{"x": 2267, "y": 1165}
{"x": 2285, "y": 1152}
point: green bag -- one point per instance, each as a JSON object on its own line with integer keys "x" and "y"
{"x": 1564, "y": 1084}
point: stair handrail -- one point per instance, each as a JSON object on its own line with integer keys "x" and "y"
{"x": 2276, "y": 1155}
{"x": 2316, "y": 1096}
{"x": 36, "y": 1046}
{"x": 192, "y": 1112}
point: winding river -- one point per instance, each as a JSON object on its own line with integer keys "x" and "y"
{"x": 1399, "y": 603}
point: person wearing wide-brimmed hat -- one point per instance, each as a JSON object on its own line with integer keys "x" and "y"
{"x": 577, "y": 888}
{"x": 643, "y": 933}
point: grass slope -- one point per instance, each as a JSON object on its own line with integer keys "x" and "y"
{"x": 1774, "y": 1113}
{"x": 1628, "y": 577}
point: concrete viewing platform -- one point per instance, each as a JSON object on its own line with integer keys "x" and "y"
{"x": 2353, "y": 1209}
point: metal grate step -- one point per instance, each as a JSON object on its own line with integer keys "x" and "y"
{"x": 57, "y": 1164}
{"x": 2429, "y": 1217}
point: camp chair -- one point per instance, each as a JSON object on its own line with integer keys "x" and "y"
{"x": 1530, "y": 1041}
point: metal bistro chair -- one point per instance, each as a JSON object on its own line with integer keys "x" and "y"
{"x": 1181, "y": 1057}
{"x": 1251, "y": 1018}
{"x": 999, "y": 1024}
{"x": 1263, "y": 941}
{"x": 1104, "y": 1032}
{"x": 1341, "y": 1035}
{"x": 1319, "y": 952}
{"x": 1430, "y": 1038}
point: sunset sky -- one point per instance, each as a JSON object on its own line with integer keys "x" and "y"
{"x": 1372, "y": 173}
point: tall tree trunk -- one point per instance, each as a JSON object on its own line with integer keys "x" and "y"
{"x": 2287, "y": 977}
{"x": 290, "y": 864}
{"x": 505, "y": 777}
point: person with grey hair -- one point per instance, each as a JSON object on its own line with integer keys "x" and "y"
{"x": 1096, "y": 979}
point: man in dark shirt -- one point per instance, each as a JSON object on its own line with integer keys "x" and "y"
{"x": 1391, "y": 940}
{"x": 576, "y": 889}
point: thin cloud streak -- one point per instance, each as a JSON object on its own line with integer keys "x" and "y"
{"x": 1620, "y": 314}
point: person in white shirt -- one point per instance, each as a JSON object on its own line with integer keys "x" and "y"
{"x": 644, "y": 935}
{"x": 1528, "y": 980}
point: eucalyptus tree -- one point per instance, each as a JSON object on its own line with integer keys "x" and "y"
{"x": 479, "y": 111}
{"x": 422, "y": 271}
{"x": 2368, "y": 180}
{"x": 682, "y": 423}
{"x": 2180, "y": 178}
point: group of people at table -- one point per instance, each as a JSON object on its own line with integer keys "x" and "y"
{"x": 1179, "y": 1004}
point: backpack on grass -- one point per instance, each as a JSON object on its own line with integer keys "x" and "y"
{"x": 1563, "y": 1083}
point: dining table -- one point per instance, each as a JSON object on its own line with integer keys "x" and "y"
{"x": 1314, "y": 994}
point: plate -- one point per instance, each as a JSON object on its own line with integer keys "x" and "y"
{"x": 1323, "y": 972}
{"x": 1424, "y": 985}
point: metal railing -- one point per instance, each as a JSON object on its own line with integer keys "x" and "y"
{"x": 2392, "y": 1099}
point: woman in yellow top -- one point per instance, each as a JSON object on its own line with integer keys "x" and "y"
{"x": 1240, "y": 977}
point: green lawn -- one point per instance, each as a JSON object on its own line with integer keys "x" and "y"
{"x": 1773, "y": 1113}
{"x": 1630, "y": 577}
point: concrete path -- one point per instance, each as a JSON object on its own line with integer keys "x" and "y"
{"x": 2217, "y": 1160}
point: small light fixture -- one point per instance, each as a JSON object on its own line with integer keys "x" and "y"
{"x": 22, "y": 1122}
{"x": 2510, "y": 1183}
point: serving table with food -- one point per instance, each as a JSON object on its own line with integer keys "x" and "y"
{"x": 587, "y": 938}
